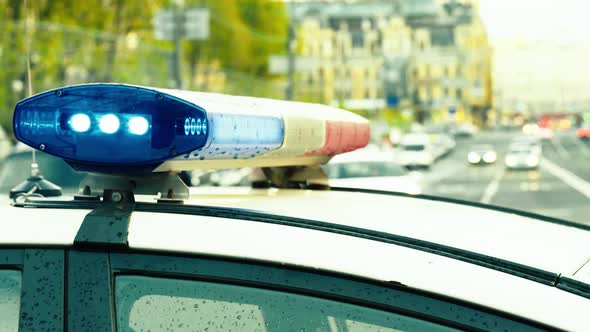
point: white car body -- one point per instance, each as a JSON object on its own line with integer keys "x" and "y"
{"x": 406, "y": 183}
{"x": 443, "y": 144}
{"x": 531, "y": 141}
{"x": 482, "y": 154}
{"x": 522, "y": 157}
{"x": 416, "y": 150}
{"x": 520, "y": 239}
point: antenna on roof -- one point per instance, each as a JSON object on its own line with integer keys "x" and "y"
{"x": 34, "y": 184}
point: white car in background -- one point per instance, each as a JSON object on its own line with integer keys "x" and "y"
{"x": 465, "y": 130}
{"x": 482, "y": 154}
{"x": 416, "y": 150}
{"x": 533, "y": 142}
{"x": 443, "y": 144}
{"x": 371, "y": 170}
{"x": 522, "y": 156}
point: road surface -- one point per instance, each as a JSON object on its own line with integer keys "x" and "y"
{"x": 559, "y": 188}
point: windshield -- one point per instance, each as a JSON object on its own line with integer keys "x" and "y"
{"x": 414, "y": 147}
{"x": 521, "y": 150}
{"x": 475, "y": 72}
{"x": 363, "y": 169}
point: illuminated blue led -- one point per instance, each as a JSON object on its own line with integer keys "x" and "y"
{"x": 109, "y": 124}
{"x": 241, "y": 136}
{"x": 187, "y": 126}
{"x": 193, "y": 126}
{"x": 80, "y": 122}
{"x": 198, "y": 127}
{"x": 138, "y": 125}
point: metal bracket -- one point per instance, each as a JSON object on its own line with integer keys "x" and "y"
{"x": 301, "y": 177}
{"x": 168, "y": 185}
{"x": 108, "y": 224}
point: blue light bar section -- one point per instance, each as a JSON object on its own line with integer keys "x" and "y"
{"x": 239, "y": 136}
{"x": 108, "y": 126}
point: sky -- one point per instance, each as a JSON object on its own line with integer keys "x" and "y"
{"x": 541, "y": 48}
{"x": 544, "y": 21}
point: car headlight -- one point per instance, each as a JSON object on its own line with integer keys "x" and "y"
{"x": 532, "y": 161}
{"x": 489, "y": 157}
{"x": 473, "y": 158}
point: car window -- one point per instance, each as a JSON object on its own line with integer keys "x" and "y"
{"x": 10, "y": 290}
{"x": 149, "y": 303}
{"x": 363, "y": 169}
{"x": 521, "y": 149}
{"x": 414, "y": 147}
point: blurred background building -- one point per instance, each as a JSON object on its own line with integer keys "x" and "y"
{"x": 431, "y": 58}
{"x": 394, "y": 61}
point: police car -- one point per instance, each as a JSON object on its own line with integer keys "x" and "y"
{"x": 289, "y": 254}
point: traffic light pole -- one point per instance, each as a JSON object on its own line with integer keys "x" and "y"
{"x": 290, "y": 90}
{"x": 175, "y": 56}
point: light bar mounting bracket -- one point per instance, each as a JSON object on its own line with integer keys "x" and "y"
{"x": 168, "y": 185}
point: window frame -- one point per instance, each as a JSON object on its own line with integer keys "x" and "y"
{"x": 42, "y": 304}
{"x": 58, "y": 306}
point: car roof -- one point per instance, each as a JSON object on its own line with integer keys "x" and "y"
{"x": 339, "y": 252}
{"x": 416, "y": 138}
{"x": 498, "y": 234}
{"x": 482, "y": 147}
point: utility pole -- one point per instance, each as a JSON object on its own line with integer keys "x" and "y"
{"x": 175, "y": 25}
{"x": 291, "y": 43}
{"x": 175, "y": 56}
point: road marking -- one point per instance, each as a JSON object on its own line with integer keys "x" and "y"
{"x": 569, "y": 178}
{"x": 492, "y": 188}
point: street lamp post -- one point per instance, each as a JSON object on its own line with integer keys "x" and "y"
{"x": 291, "y": 44}
{"x": 175, "y": 62}
{"x": 177, "y": 24}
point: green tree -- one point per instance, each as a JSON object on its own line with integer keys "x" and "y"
{"x": 243, "y": 34}
{"x": 69, "y": 37}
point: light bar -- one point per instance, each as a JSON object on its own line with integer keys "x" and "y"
{"x": 119, "y": 128}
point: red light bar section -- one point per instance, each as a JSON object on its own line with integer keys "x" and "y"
{"x": 343, "y": 137}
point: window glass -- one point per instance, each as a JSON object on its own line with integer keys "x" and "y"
{"x": 415, "y": 147}
{"x": 147, "y": 303}
{"x": 10, "y": 288}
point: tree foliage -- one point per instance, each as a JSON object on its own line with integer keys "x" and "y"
{"x": 74, "y": 41}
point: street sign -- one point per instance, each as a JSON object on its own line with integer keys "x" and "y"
{"x": 392, "y": 101}
{"x": 164, "y": 24}
{"x": 192, "y": 24}
{"x": 196, "y": 24}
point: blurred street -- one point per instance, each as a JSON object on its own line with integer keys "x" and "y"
{"x": 559, "y": 188}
